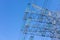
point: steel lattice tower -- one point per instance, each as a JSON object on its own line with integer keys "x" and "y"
{"x": 43, "y": 23}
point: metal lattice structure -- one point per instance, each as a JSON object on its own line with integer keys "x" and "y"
{"x": 43, "y": 23}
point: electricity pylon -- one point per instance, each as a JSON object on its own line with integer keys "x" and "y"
{"x": 43, "y": 23}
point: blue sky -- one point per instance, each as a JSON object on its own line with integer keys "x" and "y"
{"x": 11, "y": 16}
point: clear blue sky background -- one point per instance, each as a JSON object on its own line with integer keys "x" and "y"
{"x": 11, "y": 17}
